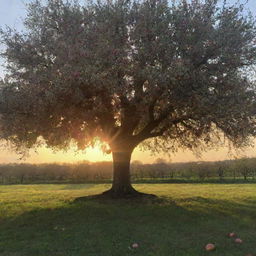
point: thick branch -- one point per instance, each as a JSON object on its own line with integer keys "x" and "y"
{"x": 151, "y": 109}
{"x": 155, "y": 122}
{"x": 146, "y": 134}
{"x": 129, "y": 117}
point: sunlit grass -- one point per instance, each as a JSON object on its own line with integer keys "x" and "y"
{"x": 43, "y": 220}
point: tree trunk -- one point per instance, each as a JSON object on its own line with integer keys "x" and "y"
{"x": 121, "y": 186}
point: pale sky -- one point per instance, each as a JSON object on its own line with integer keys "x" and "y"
{"x": 11, "y": 14}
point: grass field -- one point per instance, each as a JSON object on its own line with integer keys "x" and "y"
{"x": 43, "y": 220}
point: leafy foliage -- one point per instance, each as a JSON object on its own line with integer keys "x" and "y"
{"x": 127, "y": 71}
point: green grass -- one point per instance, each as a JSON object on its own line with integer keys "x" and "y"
{"x": 43, "y": 220}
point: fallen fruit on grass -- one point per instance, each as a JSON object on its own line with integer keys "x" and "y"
{"x": 238, "y": 240}
{"x": 232, "y": 234}
{"x": 210, "y": 247}
{"x": 135, "y": 245}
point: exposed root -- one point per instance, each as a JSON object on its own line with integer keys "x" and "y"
{"x": 111, "y": 194}
{"x": 131, "y": 193}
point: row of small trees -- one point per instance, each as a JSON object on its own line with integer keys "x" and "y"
{"x": 229, "y": 169}
{"x": 102, "y": 171}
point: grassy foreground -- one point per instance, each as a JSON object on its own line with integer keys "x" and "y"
{"x": 43, "y": 220}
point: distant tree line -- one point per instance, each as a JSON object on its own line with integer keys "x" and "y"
{"x": 162, "y": 171}
{"x": 239, "y": 169}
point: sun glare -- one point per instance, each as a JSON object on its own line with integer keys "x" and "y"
{"x": 92, "y": 154}
{"x": 95, "y": 154}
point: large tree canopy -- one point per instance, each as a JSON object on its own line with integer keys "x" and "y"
{"x": 127, "y": 71}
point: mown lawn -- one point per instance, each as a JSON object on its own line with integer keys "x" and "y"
{"x": 43, "y": 220}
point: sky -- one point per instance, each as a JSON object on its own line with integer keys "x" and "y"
{"x": 11, "y": 14}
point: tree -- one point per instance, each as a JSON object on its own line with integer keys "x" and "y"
{"x": 129, "y": 72}
{"x": 220, "y": 168}
{"x": 161, "y": 167}
{"x": 244, "y": 167}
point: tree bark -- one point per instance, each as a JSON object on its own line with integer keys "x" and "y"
{"x": 121, "y": 172}
{"x": 121, "y": 186}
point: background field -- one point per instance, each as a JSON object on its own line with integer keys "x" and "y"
{"x": 40, "y": 220}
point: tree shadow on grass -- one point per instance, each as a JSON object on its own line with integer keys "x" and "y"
{"x": 245, "y": 210}
{"x": 107, "y": 228}
{"x": 105, "y": 197}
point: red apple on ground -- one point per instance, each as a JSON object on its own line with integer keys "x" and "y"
{"x": 238, "y": 240}
{"x": 135, "y": 245}
{"x": 232, "y": 234}
{"x": 210, "y": 247}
